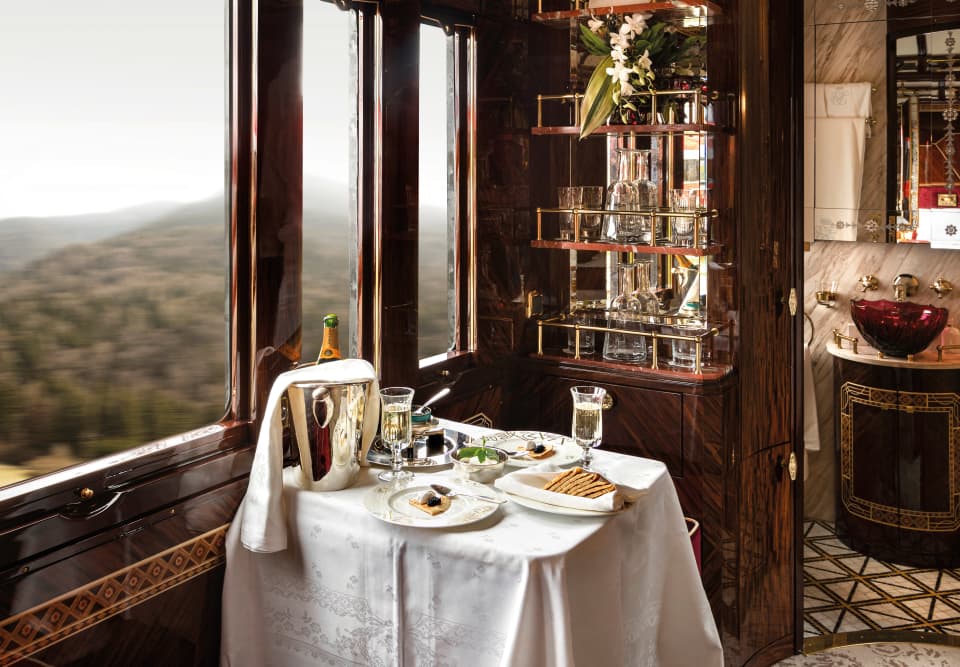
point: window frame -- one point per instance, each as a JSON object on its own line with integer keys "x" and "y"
{"x": 395, "y": 351}
{"x": 113, "y": 475}
{"x": 263, "y": 37}
{"x": 61, "y": 512}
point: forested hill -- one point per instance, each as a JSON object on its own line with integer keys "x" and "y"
{"x": 114, "y": 342}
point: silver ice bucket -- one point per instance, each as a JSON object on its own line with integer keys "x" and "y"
{"x": 326, "y": 421}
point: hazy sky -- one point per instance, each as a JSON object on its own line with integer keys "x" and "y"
{"x": 103, "y": 111}
{"x": 111, "y": 103}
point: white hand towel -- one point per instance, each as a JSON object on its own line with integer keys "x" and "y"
{"x": 847, "y": 100}
{"x": 263, "y": 524}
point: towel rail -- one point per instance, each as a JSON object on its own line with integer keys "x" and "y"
{"x": 812, "y": 327}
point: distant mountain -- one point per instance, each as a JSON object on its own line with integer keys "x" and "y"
{"x": 116, "y": 336}
{"x": 24, "y": 239}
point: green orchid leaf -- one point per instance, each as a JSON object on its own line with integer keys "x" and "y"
{"x": 594, "y": 45}
{"x": 598, "y": 100}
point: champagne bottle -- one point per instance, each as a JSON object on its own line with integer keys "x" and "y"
{"x": 330, "y": 350}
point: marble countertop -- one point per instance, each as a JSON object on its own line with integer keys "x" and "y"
{"x": 926, "y": 360}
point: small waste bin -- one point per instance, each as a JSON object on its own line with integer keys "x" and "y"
{"x": 693, "y": 529}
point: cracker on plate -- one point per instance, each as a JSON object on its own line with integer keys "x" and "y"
{"x": 434, "y": 510}
{"x": 580, "y": 482}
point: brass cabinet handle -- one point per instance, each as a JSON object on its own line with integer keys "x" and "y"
{"x": 86, "y": 493}
{"x": 607, "y": 401}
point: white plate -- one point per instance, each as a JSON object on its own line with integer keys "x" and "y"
{"x": 567, "y": 451}
{"x": 557, "y": 509}
{"x": 393, "y": 506}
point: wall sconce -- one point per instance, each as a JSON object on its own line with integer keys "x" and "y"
{"x": 827, "y": 294}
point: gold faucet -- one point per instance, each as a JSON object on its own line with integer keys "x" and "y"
{"x": 905, "y": 285}
{"x": 868, "y": 282}
{"x": 941, "y": 286}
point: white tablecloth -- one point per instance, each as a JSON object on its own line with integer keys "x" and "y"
{"x": 522, "y": 587}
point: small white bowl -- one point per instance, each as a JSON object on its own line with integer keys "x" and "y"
{"x": 484, "y": 473}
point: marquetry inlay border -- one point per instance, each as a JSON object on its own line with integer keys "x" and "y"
{"x": 35, "y": 629}
{"x": 908, "y": 402}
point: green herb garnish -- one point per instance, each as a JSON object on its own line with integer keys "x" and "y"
{"x": 482, "y": 453}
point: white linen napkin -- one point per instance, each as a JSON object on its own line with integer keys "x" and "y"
{"x": 263, "y": 525}
{"x": 529, "y": 483}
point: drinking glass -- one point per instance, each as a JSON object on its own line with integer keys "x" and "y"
{"x": 396, "y": 404}
{"x": 587, "y": 337}
{"x": 684, "y": 351}
{"x": 587, "y": 420}
{"x": 591, "y": 198}
{"x": 568, "y": 196}
{"x": 682, "y": 227}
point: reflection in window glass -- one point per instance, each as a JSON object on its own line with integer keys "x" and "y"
{"x": 437, "y": 296}
{"x": 330, "y": 88}
{"x": 112, "y": 227}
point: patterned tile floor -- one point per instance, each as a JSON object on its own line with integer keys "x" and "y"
{"x": 845, "y": 591}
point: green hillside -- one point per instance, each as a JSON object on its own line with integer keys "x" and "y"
{"x": 115, "y": 343}
{"x": 109, "y": 344}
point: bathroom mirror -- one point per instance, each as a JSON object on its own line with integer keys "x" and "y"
{"x": 924, "y": 190}
{"x": 869, "y": 174}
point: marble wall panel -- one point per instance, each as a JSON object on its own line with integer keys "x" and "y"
{"x": 846, "y": 262}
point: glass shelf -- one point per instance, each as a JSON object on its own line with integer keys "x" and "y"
{"x": 603, "y": 130}
{"x": 676, "y": 10}
{"x": 698, "y": 249}
{"x": 640, "y": 248}
{"x": 712, "y": 368}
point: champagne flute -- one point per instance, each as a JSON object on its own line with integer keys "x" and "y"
{"x": 587, "y": 420}
{"x": 396, "y": 404}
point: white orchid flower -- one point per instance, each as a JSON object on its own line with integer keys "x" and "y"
{"x": 595, "y": 25}
{"x": 621, "y": 75}
{"x": 617, "y": 39}
{"x": 626, "y": 30}
{"x": 636, "y": 23}
{"x": 644, "y": 60}
{"x": 618, "y": 54}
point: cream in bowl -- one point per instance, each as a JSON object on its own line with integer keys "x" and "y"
{"x": 478, "y": 464}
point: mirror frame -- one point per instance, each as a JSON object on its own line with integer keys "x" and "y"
{"x": 906, "y": 27}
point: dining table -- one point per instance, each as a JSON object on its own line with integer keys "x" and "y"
{"x": 511, "y": 583}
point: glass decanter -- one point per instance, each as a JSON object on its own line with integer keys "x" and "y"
{"x": 622, "y": 195}
{"x": 624, "y": 311}
{"x": 648, "y": 195}
{"x": 643, "y": 291}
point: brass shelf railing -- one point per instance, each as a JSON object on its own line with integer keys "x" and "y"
{"x": 698, "y": 339}
{"x": 662, "y": 107}
{"x": 684, "y": 11}
{"x": 700, "y": 240}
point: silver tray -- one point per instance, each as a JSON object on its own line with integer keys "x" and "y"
{"x": 420, "y": 457}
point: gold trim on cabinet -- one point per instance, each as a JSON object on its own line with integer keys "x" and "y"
{"x": 33, "y": 630}
{"x": 908, "y": 402}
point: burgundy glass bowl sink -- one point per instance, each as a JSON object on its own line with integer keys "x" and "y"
{"x": 897, "y": 328}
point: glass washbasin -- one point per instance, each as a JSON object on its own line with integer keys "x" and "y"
{"x": 897, "y": 328}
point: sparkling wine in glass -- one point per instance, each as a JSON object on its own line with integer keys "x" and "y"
{"x": 587, "y": 420}
{"x": 396, "y": 404}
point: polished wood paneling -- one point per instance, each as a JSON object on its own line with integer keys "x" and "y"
{"x": 400, "y": 112}
{"x": 180, "y": 627}
{"x": 766, "y": 601}
{"x": 767, "y": 205}
{"x": 153, "y": 570}
{"x": 279, "y": 192}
